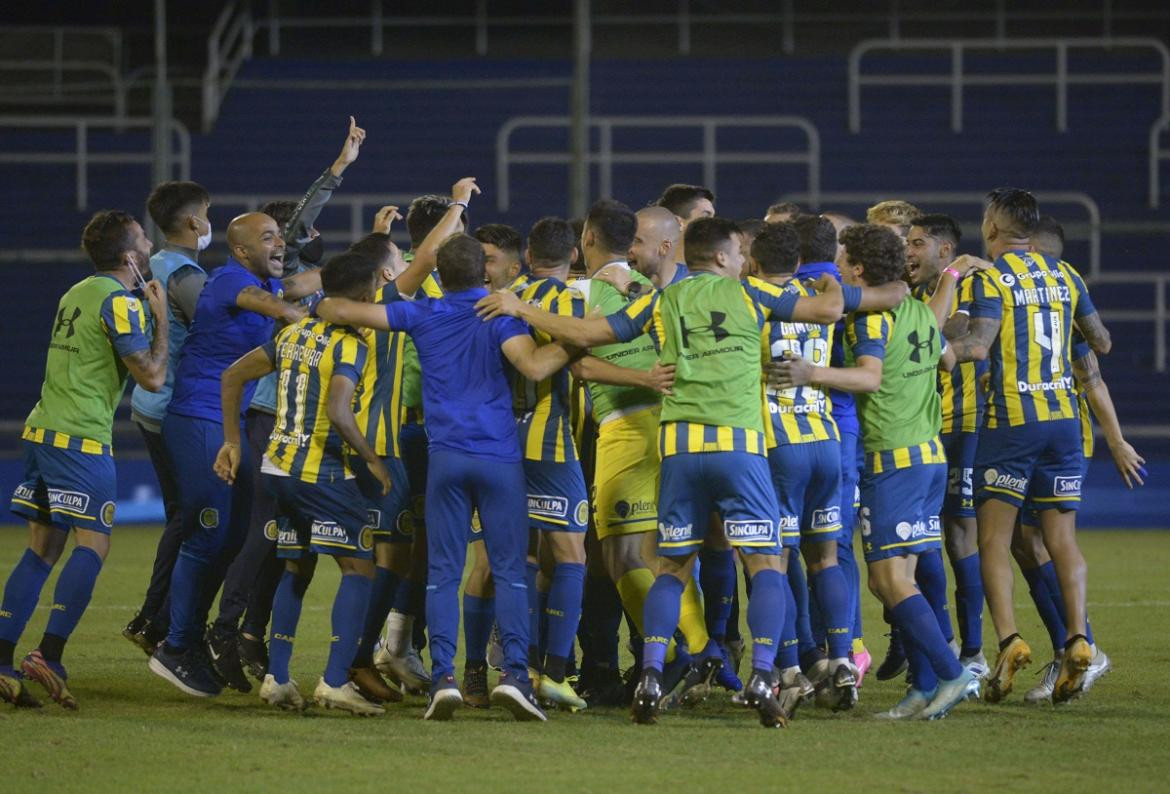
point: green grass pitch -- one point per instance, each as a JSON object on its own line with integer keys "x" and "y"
{"x": 136, "y": 733}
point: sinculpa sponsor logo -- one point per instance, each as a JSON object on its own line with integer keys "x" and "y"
{"x": 1066, "y": 486}
{"x": 542, "y": 505}
{"x": 743, "y": 531}
{"x": 327, "y": 530}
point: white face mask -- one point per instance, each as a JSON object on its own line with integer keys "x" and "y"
{"x": 205, "y": 238}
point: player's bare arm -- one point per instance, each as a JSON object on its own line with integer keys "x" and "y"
{"x": 149, "y": 367}
{"x": 976, "y": 343}
{"x": 251, "y": 366}
{"x": 946, "y": 361}
{"x": 254, "y": 299}
{"x": 826, "y": 306}
{"x": 1128, "y": 462}
{"x": 350, "y": 149}
{"x": 302, "y": 285}
{"x": 343, "y": 311}
{"x": 426, "y": 256}
{"x": 339, "y": 408}
{"x": 579, "y": 332}
{"x": 660, "y": 378}
{"x": 887, "y": 296}
{"x": 866, "y": 377}
{"x": 532, "y": 361}
{"x": 1095, "y": 333}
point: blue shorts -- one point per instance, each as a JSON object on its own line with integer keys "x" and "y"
{"x": 807, "y": 479}
{"x": 322, "y": 518}
{"x": 412, "y": 440}
{"x": 66, "y": 488}
{"x": 737, "y": 484}
{"x": 1030, "y": 513}
{"x": 389, "y": 516}
{"x": 960, "y": 448}
{"x": 1042, "y": 462}
{"x": 899, "y": 510}
{"x": 557, "y": 500}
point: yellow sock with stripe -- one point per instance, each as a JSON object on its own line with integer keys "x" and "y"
{"x": 632, "y": 587}
{"x": 691, "y": 621}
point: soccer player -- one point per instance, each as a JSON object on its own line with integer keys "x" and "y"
{"x": 179, "y": 210}
{"x": 475, "y": 459}
{"x": 688, "y": 203}
{"x": 99, "y": 336}
{"x": 654, "y": 251}
{"x": 782, "y": 212}
{"x": 895, "y": 214}
{"x": 319, "y": 366}
{"x": 233, "y": 315}
{"x": 930, "y": 247}
{"x": 501, "y": 250}
{"x": 892, "y": 359}
{"x": 712, "y": 435}
{"x": 1022, "y": 316}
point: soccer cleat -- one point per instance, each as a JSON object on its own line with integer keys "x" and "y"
{"x": 895, "y": 662}
{"x": 795, "y": 689}
{"x": 135, "y": 631}
{"x": 977, "y": 664}
{"x": 949, "y": 694}
{"x": 372, "y": 686}
{"x": 495, "y": 651}
{"x": 561, "y": 695}
{"x": 726, "y": 676}
{"x": 735, "y": 651}
{"x": 253, "y": 655}
{"x": 50, "y": 675}
{"x": 1012, "y": 658}
{"x": 1097, "y": 668}
{"x": 908, "y": 707}
{"x": 1074, "y": 663}
{"x": 284, "y": 696}
{"x": 475, "y": 686}
{"x": 606, "y": 688}
{"x": 345, "y": 698}
{"x": 517, "y": 698}
{"x": 1042, "y": 692}
{"x": 647, "y": 697}
{"x": 224, "y": 655}
{"x": 13, "y": 690}
{"x": 189, "y": 671}
{"x": 759, "y": 695}
{"x": 863, "y": 661}
{"x": 843, "y": 686}
{"x": 444, "y": 701}
{"x": 696, "y": 683}
{"x": 955, "y": 647}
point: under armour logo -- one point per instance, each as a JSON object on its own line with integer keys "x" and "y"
{"x": 716, "y": 328}
{"x": 928, "y": 343}
{"x": 66, "y": 322}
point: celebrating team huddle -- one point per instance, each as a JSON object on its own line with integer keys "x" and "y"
{"x": 609, "y": 445}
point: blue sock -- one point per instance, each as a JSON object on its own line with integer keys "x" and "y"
{"x": 832, "y": 593}
{"x": 848, "y": 565}
{"x": 382, "y": 593}
{"x": 921, "y": 632}
{"x": 21, "y": 594}
{"x": 1048, "y": 571}
{"x": 478, "y": 616}
{"x": 186, "y": 588}
{"x": 717, "y": 581}
{"x": 349, "y": 615}
{"x": 921, "y": 675}
{"x": 789, "y": 653}
{"x": 931, "y": 575}
{"x": 604, "y": 605}
{"x": 562, "y": 607}
{"x": 530, "y": 571}
{"x": 798, "y": 586}
{"x": 765, "y": 617}
{"x": 733, "y": 634}
{"x": 286, "y": 613}
{"x": 1051, "y": 609}
{"x": 72, "y": 594}
{"x": 969, "y": 603}
{"x": 660, "y": 619}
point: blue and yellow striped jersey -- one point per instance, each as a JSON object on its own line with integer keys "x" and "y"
{"x": 381, "y": 408}
{"x": 546, "y": 430}
{"x": 800, "y": 414}
{"x": 1036, "y": 300}
{"x": 308, "y": 355}
{"x": 959, "y": 389}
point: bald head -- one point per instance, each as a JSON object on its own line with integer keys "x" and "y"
{"x": 254, "y": 240}
{"x": 655, "y": 240}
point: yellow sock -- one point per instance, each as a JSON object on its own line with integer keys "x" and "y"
{"x": 690, "y": 619}
{"x": 858, "y": 645}
{"x": 632, "y": 588}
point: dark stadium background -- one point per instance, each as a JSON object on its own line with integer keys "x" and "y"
{"x": 436, "y": 96}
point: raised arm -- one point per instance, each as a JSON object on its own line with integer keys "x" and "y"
{"x": 149, "y": 367}
{"x": 427, "y": 254}
{"x": 251, "y": 366}
{"x": 339, "y": 408}
{"x": 533, "y": 362}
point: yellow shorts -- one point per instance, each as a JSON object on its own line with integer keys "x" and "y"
{"x": 625, "y": 485}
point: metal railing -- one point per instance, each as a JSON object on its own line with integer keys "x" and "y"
{"x": 710, "y": 156}
{"x": 1087, "y": 231}
{"x": 1157, "y": 155}
{"x": 228, "y": 46}
{"x": 958, "y": 78}
{"x": 81, "y": 157}
{"x": 1158, "y": 315}
{"x": 57, "y": 76}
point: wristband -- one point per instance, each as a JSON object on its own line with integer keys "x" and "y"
{"x": 952, "y": 271}
{"x": 462, "y": 204}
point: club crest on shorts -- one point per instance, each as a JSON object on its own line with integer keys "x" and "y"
{"x": 405, "y": 523}
{"x": 582, "y": 512}
{"x": 209, "y": 518}
{"x": 271, "y": 531}
{"x": 107, "y": 514}
{"x": 366, "y": 539}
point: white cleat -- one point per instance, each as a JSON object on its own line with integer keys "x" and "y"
{"x": 1098, "y": 667}
{"x": 977, "y": 664}
{"x": 284, "y": 696}
{"x": 909, "y": 707}
{"x": 1042, "y": 692}
{"x": 345, "y": 698}
{"x": 444, "y": 703}
{"x": 956, "y": 649}
{"x": 950, "y": 694}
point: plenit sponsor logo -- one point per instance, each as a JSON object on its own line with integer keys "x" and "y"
{"x": 69, "y": 500}
{"x": 668, "y": 533}
{"x": 826, "y": 517}
{"x": 1064, "y": 384}
{"x": 555, "y": 506}
{"x": 905, "y": 530}
{"x": 994, "y": 479}
{"x": 641, "y": 507}
{"x": 747, "y": 530}
{"x": 24, "y": 492}
{"x": 327, "y": 530}
{"x": 1066, "y": 486}
{"x": 287, "y": 537}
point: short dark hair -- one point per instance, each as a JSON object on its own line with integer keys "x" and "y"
{"x": 681, "y": 199}
{"x": 750, "y": 227}
{"x": 424, "y": 214}
{"x": 374, "y": 246}
{"x": 880, "y": 251}
{"x": 1018, "y": 207}
{"x": 1049, "y": 227}
{"x": 501, "y": 235}
{"x": 281, "y": 211}
{"x": 704, "y": 237}
{"x": 614, "y": 224}
{"x": 939, "y": 225}
{"x": 169, "y": 200}
{"x": 106, "y": 237}
{"x": 818, "y": 238}
{"x": 551, "y": 241}
{"x": 776, "y": 248}
{"x": 348, "y": 275}
{"x": 460, "y": 263}
{"x": 781, "y": 207}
